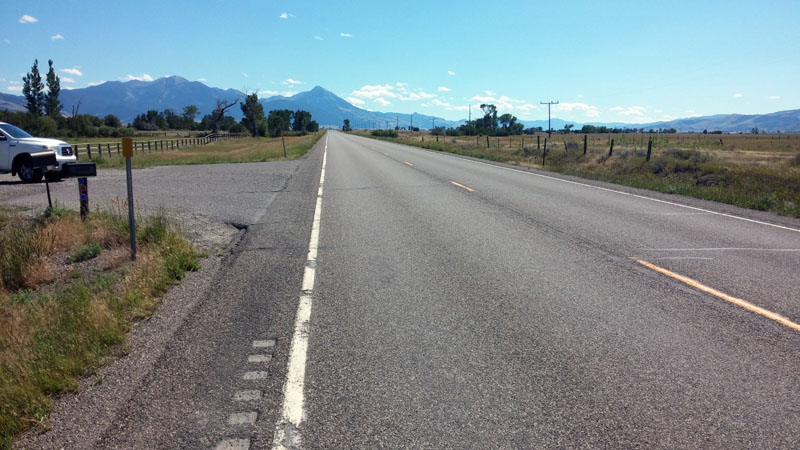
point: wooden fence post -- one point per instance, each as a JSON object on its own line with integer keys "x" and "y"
{"x": 544, "y": 153}
{"x": 108, "y": 147}
{"x": 487, "y": 141}
{"x": 538, "y": 145}
{"x": 117, "y": 148}
{"x": 649, "y": 148}
{"x": 89, "y": 150}
{"x": 611, "y": 148}
{"x": 584, "y": 144}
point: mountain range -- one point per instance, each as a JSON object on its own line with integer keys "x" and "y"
{"x": 128, "y": 99}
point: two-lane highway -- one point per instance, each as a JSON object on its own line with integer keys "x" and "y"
{"x": 459, "y": 304}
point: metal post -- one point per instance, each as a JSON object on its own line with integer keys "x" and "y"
{"x": 131, "y": 218}
{"x": 83, "y": 190}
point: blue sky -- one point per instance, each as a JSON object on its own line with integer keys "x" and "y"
{"x": 604, "y": 61}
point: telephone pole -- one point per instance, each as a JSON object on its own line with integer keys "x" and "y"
{"x": 549, "y": 128}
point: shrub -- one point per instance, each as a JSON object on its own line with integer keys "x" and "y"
{"x": 385, "y": 133}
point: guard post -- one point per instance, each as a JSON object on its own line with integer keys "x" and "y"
{"x": 81, "y": 171}
{"x": 127, "y": 153}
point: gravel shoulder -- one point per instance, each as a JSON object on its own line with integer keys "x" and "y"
{"x": 214, "y": 205}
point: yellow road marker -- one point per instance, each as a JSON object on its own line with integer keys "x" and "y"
{"x": 728, "y": 298}
{"x": 462, "y": 186}
{"x": 385, "y": 154}
{"x": 408, "y": 163}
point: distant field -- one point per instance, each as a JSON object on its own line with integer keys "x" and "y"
{"x": 753, "y": 171}
{"x": 232, "y": 151}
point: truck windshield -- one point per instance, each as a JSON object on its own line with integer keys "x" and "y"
{"x": 13, "y": 131}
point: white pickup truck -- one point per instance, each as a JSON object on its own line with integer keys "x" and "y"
{"x": 16, "y": 147}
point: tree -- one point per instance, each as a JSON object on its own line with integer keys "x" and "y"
{"x": 112, "y": 121}
{"x": 489, "y": 117}
{"x": 312, "y": 127}
{"x": 190, "y": 112}
{"x": 253, "y": 113}
{"x": 301, "y": 120}
{"x": 346, "y": 126}
{"x": 52, "y": 107}
{"x": 33, "y": 89}
{"x": 219, "y": 112}
{"x": 568, "y": 127}
{"x": 279, "y": 120}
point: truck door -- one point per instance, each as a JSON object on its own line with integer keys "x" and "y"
{"x": 5, "y": 153}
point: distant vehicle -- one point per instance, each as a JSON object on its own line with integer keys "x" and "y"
{"x": 16, "y": 147}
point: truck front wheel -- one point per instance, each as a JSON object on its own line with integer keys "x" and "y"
{"x": 28, "y": 174}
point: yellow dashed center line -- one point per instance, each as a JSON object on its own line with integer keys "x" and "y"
{"x": 462, "y": 186}
{"x": 412, "y": 165}
{"x": 728, "y": 298}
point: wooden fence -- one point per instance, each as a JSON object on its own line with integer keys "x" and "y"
{"x": 110, "y": 148}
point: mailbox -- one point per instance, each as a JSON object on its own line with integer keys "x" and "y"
{"x": 43, "y": 159}
{"x": 88, "y": 169}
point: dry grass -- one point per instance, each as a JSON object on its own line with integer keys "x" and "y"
{"x": 57, "y": 319}
{"x": 232, "y": 151}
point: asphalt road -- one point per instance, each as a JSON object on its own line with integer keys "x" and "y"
{"x": 511, "y": 315}
{"x": 461, "y": 304}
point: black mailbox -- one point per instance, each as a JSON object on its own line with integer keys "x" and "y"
{"x": 88, "y": 169}
{"x": 43, "y": 159}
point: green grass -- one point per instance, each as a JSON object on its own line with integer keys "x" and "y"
{"x": 51, "y": 336}
{"x": 232, "y": 151}
{"x": 750, "y": 175}
{"x": 85, "y": 253}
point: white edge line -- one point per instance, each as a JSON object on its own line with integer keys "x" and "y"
{"x": 609, "y": 190}
{"x": 287, "y": 433}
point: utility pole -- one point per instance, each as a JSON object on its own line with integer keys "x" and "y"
{"x": 549, "y": 128}
{"x": 412, "y": 122}
{"x": 433, "y": 123}
{"x": 397, "y": 124}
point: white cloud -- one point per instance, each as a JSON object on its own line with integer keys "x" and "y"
{"x": 16, "y": 82}
{"x": 424, "y": 105}
{"x": 57, "y": 37}
{"x": 444, "y": 89}
{"x": 588, "y": 110}
{"x": 67, "y": 79}
{"x": 268, "y": 92}
{"x": 503, "y": 102}
{"x": 657, "y": 111}
{"x": 286, "y": 15}
{"x": 28, "y": 19}
{"x": 738, "y": 95}
{"x": 373, "y": 91}
{"x": 490, "y": 93}
{"x": 142, "y": 77}
{"x": 291, "y": 82}
{"x": 418, "y": 95}
{"x": 580, "y": 95}
{"x": 14, "y": 88}
{"x": 355, "y": 101}
{"x": 73, "y": 71}
{"x": 7, "y": 41}
{"x": 319, "y": 38}
{"x": 245, "y": 75}
{"x": 382, "y": 101}
{"x": 288, "y": 93}
{"x": 774, "y": 97}
{"x": 451, "y": 73}
{"x": 438, "y": 102}
{"x": 201, "y": 79}
{"x": 629, "y": 110}
{"x": 692, "y": 113}
{"x": 96, "y": 83}
{"x": 526, "y": 107}
{"x": 345, "y": 35}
